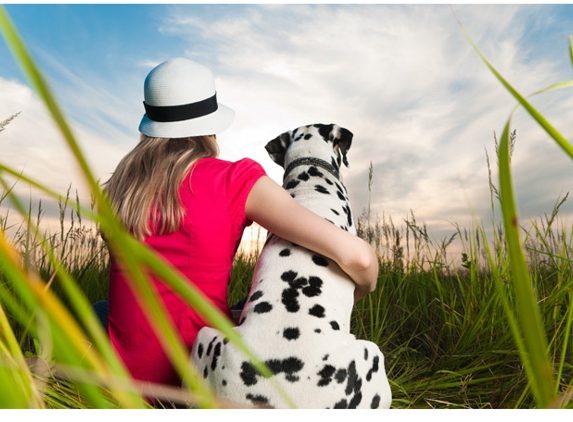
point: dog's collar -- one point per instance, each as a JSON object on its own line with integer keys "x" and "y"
{"x": 312, "y": 161}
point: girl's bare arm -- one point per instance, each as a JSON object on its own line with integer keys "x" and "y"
{"x": 274, "y": 209}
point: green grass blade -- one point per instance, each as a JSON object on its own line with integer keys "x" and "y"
{"x": 19, "y": 389}
{"x": 558, "y": 85}
{"x": 536, "y": 360}
{"x": 571, "y": 49}
{"x": 565, "y": 351}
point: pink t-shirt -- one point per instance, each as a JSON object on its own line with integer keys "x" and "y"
{"x": 214, "y": 195}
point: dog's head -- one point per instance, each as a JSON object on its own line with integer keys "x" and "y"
{"x": 328, "y": 142}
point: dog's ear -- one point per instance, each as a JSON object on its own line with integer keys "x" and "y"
{"x": 277, "y": 148}
{"x": 341, "y": 141}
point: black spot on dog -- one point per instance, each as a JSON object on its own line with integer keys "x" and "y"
{"x": 335, "y": 325}
{"x": 334, "y": 211}
{"x": 348, "y": 213}
{"x": 256, "y": 296}
{"x": 292, "y": 184}
{"x": 205, "y": 372}
{"x": 210, "y": 347}
{"x": 341, "y": 375}
{"x": 365, "y": 353}
{"x": 290, "y": 366}
{"x": 318, "y": 331}
{"x": 355, "y": 400}
{"x": 258, "y": 399}
{"x": 200, "y": 350}
{"x": 313, "y": 289}
{"x": 320, "y": 260}
{"x": 324, "y": 130}
{"x": 285, "y": 252}
{"x": 334, "y": 163}
{"x": 326, "y": 374}
{"x": 317, "y": 311}
{"x": 325, "y": 357}
{"x": 288, "y": 276}
{"x": 292, "y": 333}
{"x": 263, "y": 308}
{"x": 216, "y": 354}
{"x": 307, "y": 136}
{"x": 313, "y": 171}
{"x": 303, "y": 176}
{"x": 289, "y": 299}
{"x": 352, "y": 378}
{"x": 340, "y": 196}
{"x": 248, "y": 374}
{"x": 375, "y": 402}
{"x": 298, "y": 283}
{"x": 375, "y": 368}
{"x": 354, "y": 385}
{"x": 342, "y": 404}
{"x": 340, "y": 190}
{"x": 321, "y": 189}
{"x": 224, "y": 382}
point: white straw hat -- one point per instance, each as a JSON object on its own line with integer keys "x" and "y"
{"x": 181, "y": 101}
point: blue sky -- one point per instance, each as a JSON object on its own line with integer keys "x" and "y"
{"x": 422, "y": 106}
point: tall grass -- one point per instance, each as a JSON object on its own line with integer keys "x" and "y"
{"x": 442, "y": 316}
{"x": 437, "y": 313}
{"x": 487, "y": 327}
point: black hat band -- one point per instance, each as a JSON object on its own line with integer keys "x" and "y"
{"x": 182, "y": 112}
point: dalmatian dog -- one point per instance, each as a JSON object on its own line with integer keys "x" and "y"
{"x": 296, "y": 317}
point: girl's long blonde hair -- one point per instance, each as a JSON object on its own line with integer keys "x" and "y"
{"x": 144, "y": 189}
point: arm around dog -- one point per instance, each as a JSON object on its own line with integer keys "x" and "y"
{"x": 274, "y": 209}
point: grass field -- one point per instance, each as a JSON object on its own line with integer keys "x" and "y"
{"x": 441, "y": 325}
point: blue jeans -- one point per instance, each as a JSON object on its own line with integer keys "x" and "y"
{"x": 100, "y": 308}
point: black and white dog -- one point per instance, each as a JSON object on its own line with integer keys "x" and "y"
{"x": 297, "y": 314}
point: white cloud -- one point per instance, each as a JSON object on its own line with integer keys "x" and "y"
{"x": 405, "y": 80}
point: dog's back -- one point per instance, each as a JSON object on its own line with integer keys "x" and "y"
{"x": 297, "y": 315}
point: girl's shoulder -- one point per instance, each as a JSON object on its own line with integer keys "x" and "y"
{"x": 232, "y": 168}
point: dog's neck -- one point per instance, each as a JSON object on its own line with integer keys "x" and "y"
{"x": 311, "y": 152}
{"x": 313, "y": 161}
